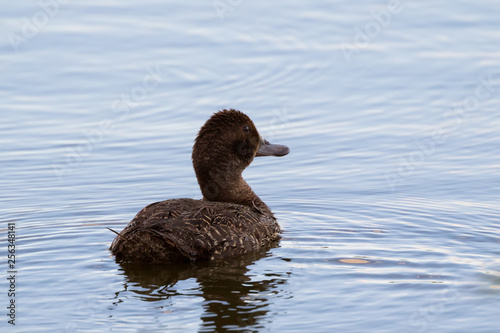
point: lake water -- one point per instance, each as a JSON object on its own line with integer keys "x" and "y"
{"x": 389, "y": 199}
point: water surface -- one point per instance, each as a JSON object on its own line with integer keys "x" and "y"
{"x": 388, "y": 199}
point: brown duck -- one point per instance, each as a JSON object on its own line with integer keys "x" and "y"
{"x": 229, "y": 221}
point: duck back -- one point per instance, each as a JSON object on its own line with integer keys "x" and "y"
{"x": 179, "y": 230}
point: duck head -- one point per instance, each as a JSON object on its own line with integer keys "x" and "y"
{"x": 224, "y": 147}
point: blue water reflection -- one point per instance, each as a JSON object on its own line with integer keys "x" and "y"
{"x": 388, "y": 199}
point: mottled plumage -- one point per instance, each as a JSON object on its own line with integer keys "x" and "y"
{"x": 230, "y": 219}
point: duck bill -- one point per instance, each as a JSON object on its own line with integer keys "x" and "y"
{"x": 269, "y": 149}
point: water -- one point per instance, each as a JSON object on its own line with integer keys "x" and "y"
{"x": 388, "y": 199}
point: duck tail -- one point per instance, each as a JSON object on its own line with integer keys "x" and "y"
{"x": 116, "y": 232}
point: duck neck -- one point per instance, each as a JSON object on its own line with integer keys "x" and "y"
{"x": 229, "y": 187}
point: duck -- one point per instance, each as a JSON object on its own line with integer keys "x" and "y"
{"x": 230, "y": 220}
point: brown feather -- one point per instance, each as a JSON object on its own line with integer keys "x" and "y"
{"x": 229, "y": 221}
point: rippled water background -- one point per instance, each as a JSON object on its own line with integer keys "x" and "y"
{"x": 388, "y": 199}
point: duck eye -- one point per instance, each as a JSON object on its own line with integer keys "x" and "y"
{"x": 246, "y": 128}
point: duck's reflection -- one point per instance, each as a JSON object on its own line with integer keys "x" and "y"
{"x": 233, "y": 299}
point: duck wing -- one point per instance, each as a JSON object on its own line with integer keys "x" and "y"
{"x": 188, "y": 230}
